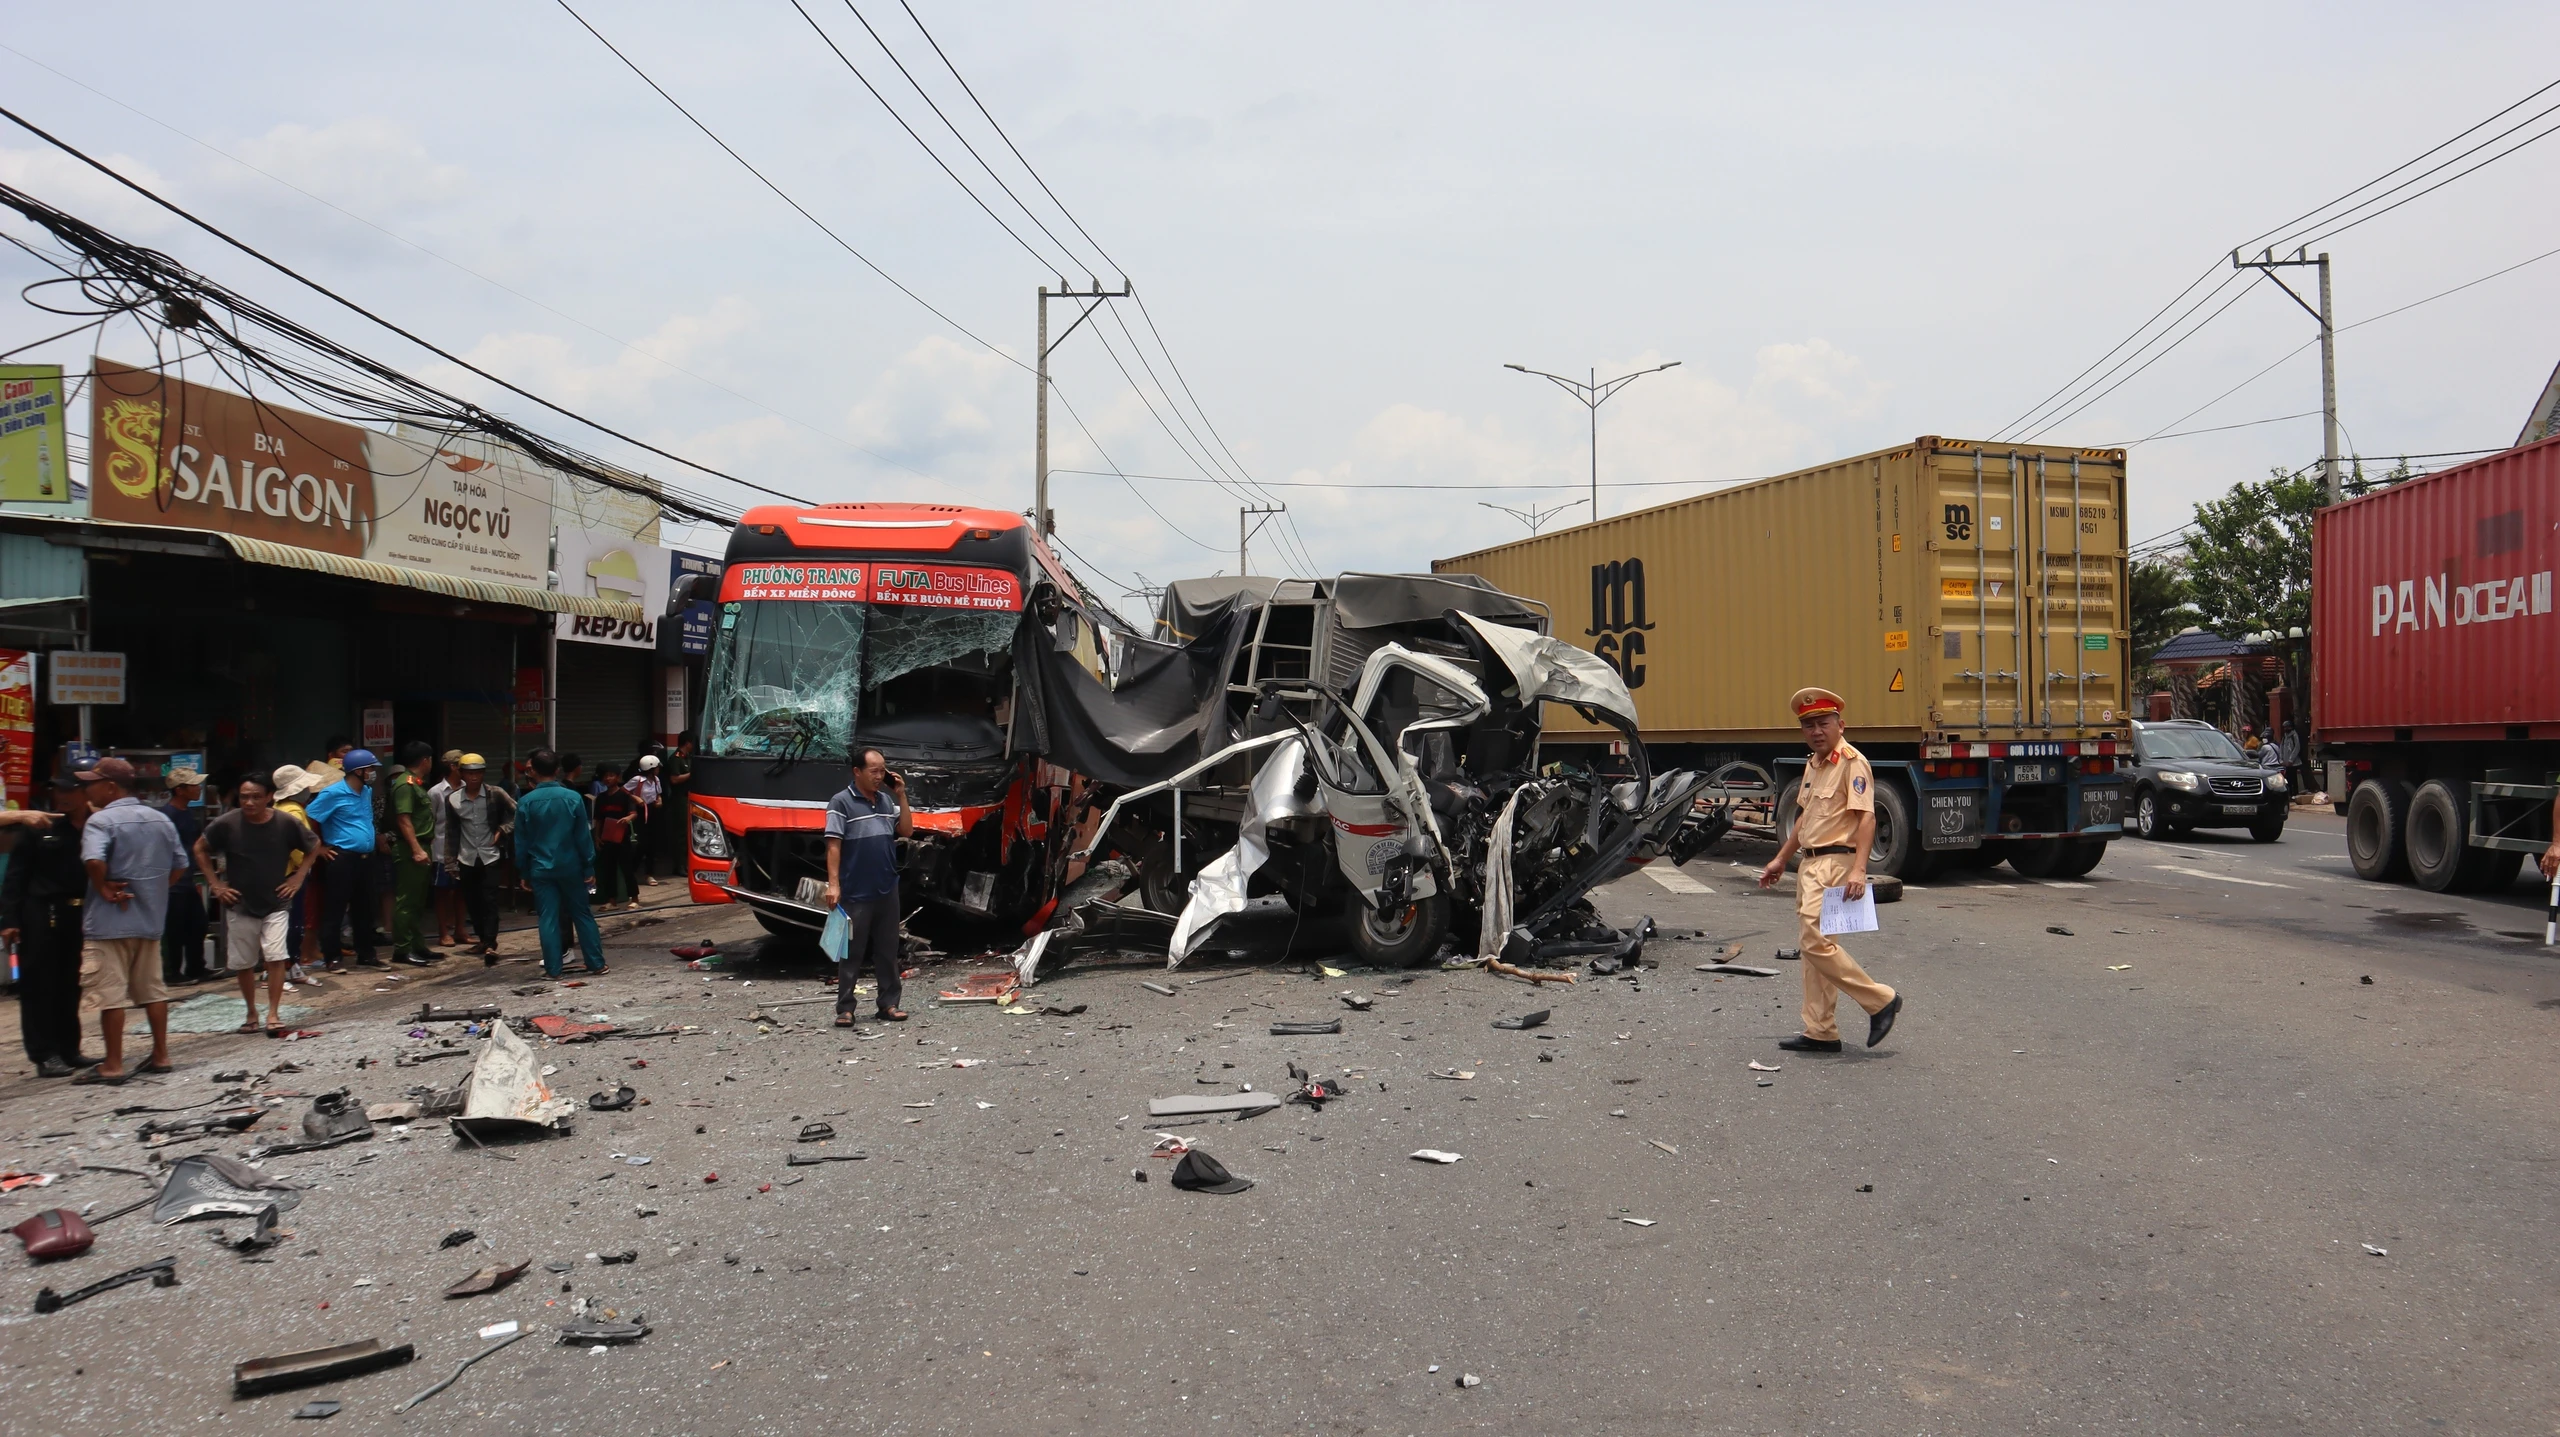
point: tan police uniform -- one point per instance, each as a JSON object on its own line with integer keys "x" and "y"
{"x": 1836, "y": 793}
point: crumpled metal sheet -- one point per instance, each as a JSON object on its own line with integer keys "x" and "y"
{"x": 210, "y": 1184}
{"x": 506, "y": 1090}
{"x": 1554, "y": 671}
{"x": 1220, "y": 888}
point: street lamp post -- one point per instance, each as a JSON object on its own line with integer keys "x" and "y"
{"x": 1593, "y": 394}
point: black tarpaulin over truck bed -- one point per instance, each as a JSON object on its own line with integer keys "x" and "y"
{"x": 1168, "y": 709}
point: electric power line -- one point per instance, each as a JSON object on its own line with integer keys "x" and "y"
{"x": 38, "y": 211}
{"x": 786, "y": 198}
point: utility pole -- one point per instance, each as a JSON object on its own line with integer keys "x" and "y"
{"x": 1243, "y": 534}
{"x": 2267, "y": 264}
{"x": 1533, "y": 516}
{"x": 1044, "y": 521}
{"x": 1593, "y": 394}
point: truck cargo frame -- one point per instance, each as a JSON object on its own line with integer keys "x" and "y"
{"x": 1966, "y": 599}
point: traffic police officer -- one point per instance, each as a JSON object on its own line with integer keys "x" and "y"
{"x": 40, "y": 905}
{"x": 1835, "y": 826}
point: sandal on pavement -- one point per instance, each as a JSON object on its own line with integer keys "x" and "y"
{"x": 844, "y": 1020}
{"x": 100, "y": 1075}
{"x": 893, "y": 1015}
{"x": 249, "y": 1027}
{"x": 157, "y": 1068}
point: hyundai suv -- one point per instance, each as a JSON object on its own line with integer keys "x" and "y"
{"x": 2189, "y": 774}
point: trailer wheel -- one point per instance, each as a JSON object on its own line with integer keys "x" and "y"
{"x": 1897, "y": 850}
{"x": 2079, "y": 855}
{"x": 2055, "y": 857}
{"x": 1973, "y": 860}
{"x": 2377, "y": 822}
{"x": 1400, "y": 939}
{"x": 2503, "y": 867}
{"x": 2441, "y": 859}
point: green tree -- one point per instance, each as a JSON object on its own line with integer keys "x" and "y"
{"x": 2160, "y": 603}
{"x": 2249, "y": 564}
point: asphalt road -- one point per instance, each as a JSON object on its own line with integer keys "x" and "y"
{"x": 2120, "y": 1180}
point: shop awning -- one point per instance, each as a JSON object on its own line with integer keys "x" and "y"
{"x": 486, "y": 591}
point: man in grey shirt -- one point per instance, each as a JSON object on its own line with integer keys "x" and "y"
{"x": 133, "y": 856}
{"x": 472, "y": 821}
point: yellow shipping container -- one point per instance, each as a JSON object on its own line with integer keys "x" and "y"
{"x": 1948, "y": 590}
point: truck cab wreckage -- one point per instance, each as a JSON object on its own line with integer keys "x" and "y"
{"x": 1363, "y": 750}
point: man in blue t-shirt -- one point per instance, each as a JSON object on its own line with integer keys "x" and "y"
{"x": 343, "y": 815}
{"x": 864, "y": 824}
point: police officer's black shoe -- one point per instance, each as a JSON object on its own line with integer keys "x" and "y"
{"x": 1881, "y": 1022}
{"x": 54, "y": 1068}
{"x": 1802, "y": 1044}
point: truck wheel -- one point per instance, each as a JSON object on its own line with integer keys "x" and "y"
{"x": 2079, "y": 856}
{"x": 2038, "y": 857}
{"x": 2441, "y": 859}
{"x": 2377, "y": 822}
{"x": 1974, "y": 860}
{"x": 1399, "y": 939}
{"x": 1782, "y": 814}
{"x": 2502, "y": 870}
{"x": 1898, "y": 851}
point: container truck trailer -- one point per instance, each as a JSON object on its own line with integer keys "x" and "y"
{"x": 2435, "y": 698}
{"x": 1966, "y": 599}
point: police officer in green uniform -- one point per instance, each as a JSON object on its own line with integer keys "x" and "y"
{"x": 40, "y": 911}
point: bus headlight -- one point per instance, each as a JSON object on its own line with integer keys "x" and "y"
{"x": 708, "y": 839}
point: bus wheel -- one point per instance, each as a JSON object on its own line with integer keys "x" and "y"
{"x": 786, "y": 930}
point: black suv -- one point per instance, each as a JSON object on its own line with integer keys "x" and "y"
{"x": 2189, "y": 774}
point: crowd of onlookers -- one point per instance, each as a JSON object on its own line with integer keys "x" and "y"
{"x": 112, "y": 893}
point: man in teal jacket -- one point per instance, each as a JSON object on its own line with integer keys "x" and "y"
{"x": 556, "y": 854}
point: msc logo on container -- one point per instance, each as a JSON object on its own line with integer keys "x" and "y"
{"x": 1618, "y": 622}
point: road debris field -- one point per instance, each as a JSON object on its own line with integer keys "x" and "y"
{"x": 2116, "y": 1178}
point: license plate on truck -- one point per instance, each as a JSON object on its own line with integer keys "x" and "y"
{"x": 2239, "y": 810}
{"x": 2031, "y": 773}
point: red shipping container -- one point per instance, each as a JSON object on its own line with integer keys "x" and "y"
{"x": 2431, "y": 605}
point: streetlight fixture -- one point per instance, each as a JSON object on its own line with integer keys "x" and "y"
{"x": 1593, "y": 393}
{"x": 1533, "y": 516}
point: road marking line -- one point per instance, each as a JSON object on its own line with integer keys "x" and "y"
{"x": 2217, "y": 877}
{"x": 1675, "y": 881}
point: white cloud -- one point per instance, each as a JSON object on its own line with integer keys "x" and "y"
{"x": 552, "y": 366}
{"x": 372, "y": 166}
{"x": 67, "y": 184}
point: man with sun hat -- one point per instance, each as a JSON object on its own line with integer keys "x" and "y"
{"x": 1835, "y": 827}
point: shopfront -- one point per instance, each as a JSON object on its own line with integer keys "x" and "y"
{"x": 272, "y": 580}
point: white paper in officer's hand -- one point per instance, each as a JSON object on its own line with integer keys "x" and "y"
{"x": 1843, "y": 914}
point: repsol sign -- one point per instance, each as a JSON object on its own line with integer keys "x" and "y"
{"x": 1618, "y": 621}
{"x": 604, "y": 630}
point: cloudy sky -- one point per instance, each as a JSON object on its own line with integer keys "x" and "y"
{"x": 1344, "y": 221}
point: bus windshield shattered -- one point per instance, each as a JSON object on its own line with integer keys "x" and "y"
{"x": 793, "y": 680}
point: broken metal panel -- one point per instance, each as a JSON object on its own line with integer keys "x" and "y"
{"x": 210, "y": 1184}
{"x": 1552, "y": 671}
{"x": 1220, "y": 890}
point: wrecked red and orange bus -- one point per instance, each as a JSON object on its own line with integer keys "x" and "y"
{"x": 899, "y": 627}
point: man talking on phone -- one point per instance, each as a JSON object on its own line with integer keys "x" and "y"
{"x": 1834, "y": 829}
{"x": 864, "y": 824}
